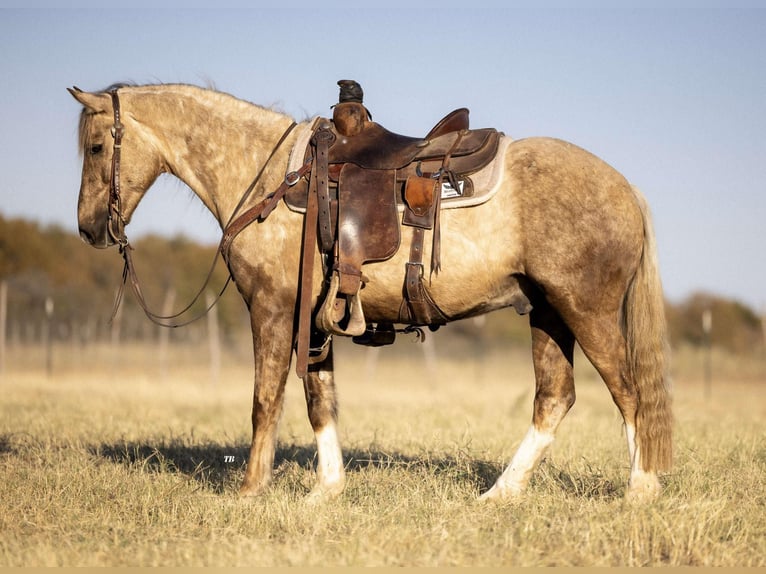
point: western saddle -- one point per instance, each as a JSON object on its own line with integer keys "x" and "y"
{"x": 356, "y": 179}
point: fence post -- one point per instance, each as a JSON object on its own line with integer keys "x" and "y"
{"x": 164, "y": 332}
{"x": 707, "y": 329}
{"x": 48, "y": 335}
{"x": 214, "y": 339}
{"x": 3, "y": 322}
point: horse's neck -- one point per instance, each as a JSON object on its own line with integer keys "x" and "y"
{"x": 215, "y": 143}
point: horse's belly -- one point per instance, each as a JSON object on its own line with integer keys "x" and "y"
{"x": 479, "y": 261}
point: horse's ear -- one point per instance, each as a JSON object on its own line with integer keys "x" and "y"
{"x": 98, "y": 102}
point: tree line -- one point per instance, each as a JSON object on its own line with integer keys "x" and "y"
{"x": 55, "y": 282}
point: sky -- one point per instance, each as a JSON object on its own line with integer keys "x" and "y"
{"x": 671, "y": 93}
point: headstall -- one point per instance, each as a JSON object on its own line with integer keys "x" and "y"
{"x": 116, "y": 223}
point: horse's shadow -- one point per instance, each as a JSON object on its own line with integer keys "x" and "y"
{"x": 217, "y": 468}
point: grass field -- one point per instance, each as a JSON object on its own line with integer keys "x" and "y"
{"x": 118, "y": 460}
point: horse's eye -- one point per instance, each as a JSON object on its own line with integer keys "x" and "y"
{"x": 95, "y": 149}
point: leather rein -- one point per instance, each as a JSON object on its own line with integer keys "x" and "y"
{"x": 116, "y": 225}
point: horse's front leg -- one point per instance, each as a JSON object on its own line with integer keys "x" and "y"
{"x": 272, "y": 352}
{"x": 322, "y": 404}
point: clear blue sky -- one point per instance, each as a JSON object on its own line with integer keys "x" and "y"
{"x": 671, "y": 93}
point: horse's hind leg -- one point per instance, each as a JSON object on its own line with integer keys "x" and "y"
{"x": 322, "y": 404}
{"x": 552, "y": 351}
{"x": 602, "y": 341}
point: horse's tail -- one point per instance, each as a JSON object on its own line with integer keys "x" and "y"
{"x": 648, "y": 353}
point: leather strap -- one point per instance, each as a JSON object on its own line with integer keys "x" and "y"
{"x": 307, "y": 278}
{"x": 323, "y": 139}
{"x": 414, "y": 274}
{"x": 423, "y": 311}
{"x": 116, "y": 224}
{"x": 422, "y": 308}
{"x": 257, "y": 178}
{"x": 262, "y": 210}
{"x": 436, "y": 262}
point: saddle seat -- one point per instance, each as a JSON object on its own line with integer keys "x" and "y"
{"x": 371, "y": 146}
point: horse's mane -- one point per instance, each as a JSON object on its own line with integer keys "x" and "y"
{"x": 86, "y": 114}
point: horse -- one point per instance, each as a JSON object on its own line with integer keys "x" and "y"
{"x": 565, "y": 229}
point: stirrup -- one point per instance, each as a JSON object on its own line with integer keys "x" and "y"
{"x": 337, "y": 311}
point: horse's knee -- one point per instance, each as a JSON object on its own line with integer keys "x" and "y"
{"x": 550, "y": 408}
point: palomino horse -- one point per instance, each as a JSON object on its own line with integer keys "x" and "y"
{"x": 565, "y": 229}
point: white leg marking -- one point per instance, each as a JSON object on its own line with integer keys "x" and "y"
{"x": 331, "y": 475}
{"x": 516, "y": 476}
{"x": 642, "y": 485}
{"x": 630, "y": 434}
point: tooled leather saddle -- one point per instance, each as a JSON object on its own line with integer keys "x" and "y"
{"x": 365, "y": 186}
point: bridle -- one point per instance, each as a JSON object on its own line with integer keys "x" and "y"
{"x": 116, "y": 223}
{"x": 236, "y": 224}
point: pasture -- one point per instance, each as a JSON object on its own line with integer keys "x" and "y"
{"x": 117, "y": 459}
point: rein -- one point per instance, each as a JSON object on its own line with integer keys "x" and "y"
{"x": 116, "y": 225}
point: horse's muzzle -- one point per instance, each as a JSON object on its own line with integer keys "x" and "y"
{"x": 102, "y": 242}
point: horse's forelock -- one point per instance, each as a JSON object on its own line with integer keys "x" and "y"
{"x": 86, "y": 114}
{"x": 84, "y": 125}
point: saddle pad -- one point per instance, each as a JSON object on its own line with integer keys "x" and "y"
{"x": 485, "y": 183}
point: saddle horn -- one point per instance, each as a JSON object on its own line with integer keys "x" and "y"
{"x": 350, "y": 91}
{"x": 350, "y": 114}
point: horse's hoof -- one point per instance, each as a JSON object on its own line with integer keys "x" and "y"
{"x": 246, "y": 490}
{"x": 324, "y": 493}
{"x": 500, "y": 495}
{"x": 643, "y": 488}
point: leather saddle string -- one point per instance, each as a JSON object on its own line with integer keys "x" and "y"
{"x": 436, "y": 262}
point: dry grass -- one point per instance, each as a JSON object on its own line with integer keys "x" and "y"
{"x": 123, "y": 463}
